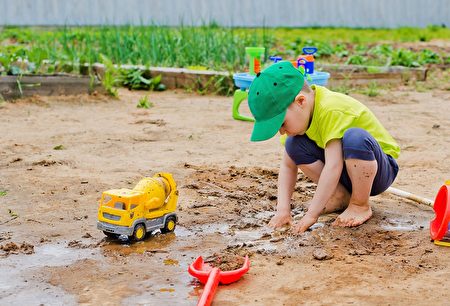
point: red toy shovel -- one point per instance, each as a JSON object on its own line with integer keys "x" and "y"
{"x": 211, "y": 277}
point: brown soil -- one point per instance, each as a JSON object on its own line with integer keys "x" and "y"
{"x": 225, "y": 261}
{"x": 59, "y": 153}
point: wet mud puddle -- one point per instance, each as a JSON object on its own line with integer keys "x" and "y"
{"x": 20, "y": 284}
{"x": 404, "y": 223}
{"x": 43, "y": 274}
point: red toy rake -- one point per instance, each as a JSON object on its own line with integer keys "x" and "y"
{"x": 211, "y": 277}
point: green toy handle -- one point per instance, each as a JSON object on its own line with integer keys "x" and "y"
{"x": 239, "y": 96}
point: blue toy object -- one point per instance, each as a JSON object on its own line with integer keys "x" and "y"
{"x": 307, "y": 60}
{"x": 275, "y": 59}
{"x": 304, "y": 63}
{"x": 243, "y": 80}
{"x": 318, "y": 78}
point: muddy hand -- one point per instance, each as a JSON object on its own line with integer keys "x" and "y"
{"x": 280, "y": 220}
{"x": 302, "y": 225}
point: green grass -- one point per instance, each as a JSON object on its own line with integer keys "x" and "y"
{"x": 363, "y": 36}
{"x": 211, "y": 47}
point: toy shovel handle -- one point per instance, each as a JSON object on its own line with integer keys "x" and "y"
{"x": 210, "y": 288}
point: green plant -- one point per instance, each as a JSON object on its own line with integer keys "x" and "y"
{"x": 403, "y": 57}
{"x": 372, "y": 89}
{"x": 2, "y": 193}
{"x": 20, "y": 85}
{"x": 110, "y": 76}
{"x": 144, "y": 102}
{"x": 67, "y": 49}
{"x": 356, "y": 60}
{"x": 429, "y": 57}
{"x": 343, "y": 88}
{"x": 135, "y": 79}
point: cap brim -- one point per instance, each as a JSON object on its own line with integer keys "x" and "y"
{"x": 263, "y": 130}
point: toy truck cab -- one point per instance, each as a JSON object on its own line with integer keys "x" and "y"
{"x": 134, "y": 212}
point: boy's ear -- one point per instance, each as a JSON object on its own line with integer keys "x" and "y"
{"x": 300, "y": 99}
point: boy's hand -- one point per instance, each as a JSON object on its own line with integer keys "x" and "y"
{"x": 280, "y": 219}
{"x": 302, "y": 225}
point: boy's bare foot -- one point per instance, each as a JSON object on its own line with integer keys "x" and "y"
{"x": 338, "y": 201}
{"x": 354, "y": 215}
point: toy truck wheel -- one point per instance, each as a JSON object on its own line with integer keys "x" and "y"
{"x": 139, "y": 232}
{"x": 111, "y": 235}
{"x": 169, "y": 226}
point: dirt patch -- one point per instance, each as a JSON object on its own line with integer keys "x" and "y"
{"x": 227, "y": 194}
{"x": 13, "y": 248}
{"x": 225, "y": 262}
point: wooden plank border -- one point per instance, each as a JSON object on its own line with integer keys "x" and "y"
{"x": 12, "y": 87}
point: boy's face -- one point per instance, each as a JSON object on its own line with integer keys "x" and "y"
{"x": 298, "y": 116}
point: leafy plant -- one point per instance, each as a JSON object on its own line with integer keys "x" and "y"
{"x": 144, "y": 102}
{"x": 135, "y": 79}
{"x": 403, "y": 57}
{"x": 2, "y": 193}
{"x": 356, "y": 60}
{"x": 429, "y": 57}
{"x": 110, "y": 76}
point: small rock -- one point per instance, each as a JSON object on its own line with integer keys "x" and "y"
{"x": 321, "y": 254}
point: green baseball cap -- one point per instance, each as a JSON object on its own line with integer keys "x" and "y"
{"x": 269, "y": 96}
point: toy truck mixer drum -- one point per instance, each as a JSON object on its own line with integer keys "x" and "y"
{"x": 155, "y": 190}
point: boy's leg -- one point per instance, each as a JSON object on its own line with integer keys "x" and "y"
{"x": 340, "y": 198}
{"x": 310, "y": 159}
{"x": 370, "y": 172}
{"x": 362, "y": 174}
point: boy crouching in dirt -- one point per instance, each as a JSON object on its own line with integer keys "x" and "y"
{"x": 334, "y": 139}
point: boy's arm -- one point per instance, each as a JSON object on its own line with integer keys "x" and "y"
{"x": 328, "y": 181}
{"x": 287, "y": 178}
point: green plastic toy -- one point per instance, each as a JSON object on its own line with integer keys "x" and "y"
{"x": 254, "y": 54}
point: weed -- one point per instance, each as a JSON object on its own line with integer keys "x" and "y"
{"x": 109, "y": 79}
{"x": 144, "y": 102}
{"x": 372, "y": 89}
{"x": 420, "y": 86}
{"x": 2, "y": 193}
{"x": 343, "y": 88}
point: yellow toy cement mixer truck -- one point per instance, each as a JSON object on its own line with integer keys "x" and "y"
{"x": 134, "y": 212}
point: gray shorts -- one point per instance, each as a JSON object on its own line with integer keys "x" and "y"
{"x": 356, "y": 143}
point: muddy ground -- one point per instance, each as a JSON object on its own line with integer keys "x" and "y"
{"x": 59, "y": 153}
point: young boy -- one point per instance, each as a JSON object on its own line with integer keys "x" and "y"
{"x": 335, "y": 140}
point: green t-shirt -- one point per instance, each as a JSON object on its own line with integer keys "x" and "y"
{"x": 334, "y": 113}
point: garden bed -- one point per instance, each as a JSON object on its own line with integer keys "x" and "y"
{"x": 13, "y": 87}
